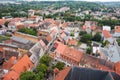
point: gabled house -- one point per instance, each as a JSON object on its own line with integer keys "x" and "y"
{"x": 37, "y": 51}
{"x": 107, "y": 36}
{"x": 3, "y": 29}
{"x": 110, "y": 52}
{"x": 24, "y": 64}
{"x": 108, "y": 28}
{"x": 67, "y": 55}
{"x": 23, "y": 44}
{"x": 9, "y": 50}
{"x": 117, "y": 31}
{"x": 89, "y": 26}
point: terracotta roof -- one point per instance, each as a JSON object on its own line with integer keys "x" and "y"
{"x": 91, "y": 27}
{"x": 62, "y": 74}
{"x": 16, "y": 19}
{"x": 22, "y": 65}
{"x": 72, "y": 42}
{"x": 73, "y": 54}
{"x": 64, "y": 24}
{"x": 84, "y": 27}
{"x": 62, "y": 35}
{"x": 106, "y": 34}
{"x": 7, "y": 65}
{"x": 117, "y": 67}
{"x": 117, "y": 29}
{"x": 33, "y": 16}
{"x": 20, "y": 26}
{"x": 2, "y": 21}
{"x": 51, "y": 25}
{"x": 50, "y": 20}
{"x": 12, "y": 75}
{"x": 33, "y": 25}
{"x": 60, "y": 48}
{"x": 49, "y": 38}
{"x": 56, "y": 70}
{"x": 3, "y": 51}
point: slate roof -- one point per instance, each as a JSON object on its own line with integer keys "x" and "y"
{"x": 77, "y": 73}
{"x": 45, "y": 41}
{"x": 21, "y": 40}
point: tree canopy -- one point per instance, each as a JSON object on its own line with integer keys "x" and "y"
{"x": 118, "y": 40}
{"x": 86, "y": 38}
{"x": 28, "y": 75}
{"x": 97, "y": 37}
{"x": 59, "y": 65}
{"x": 42, "y": 68}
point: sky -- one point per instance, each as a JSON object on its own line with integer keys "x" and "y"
{"x": 79, "y": 0}
{"x": 103, "y": 0}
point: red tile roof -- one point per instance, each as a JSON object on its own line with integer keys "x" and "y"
{"x": 20, "y": 26}
{"x": 91, "y": 27}
{"x": 117, "y": 29}
{"x": 68, "y": 52}
{"x": 72, "y": 42}
{"x": 12, "y": 75}
{"x": 106, "y": 34}
{"x": 73, "y": 54}
{"x": 16, "y": 19}
{"x": 64, "y": 24}
{"x": 7, "y": 65}
{"x": 2, "y": 21}
{"x": 117, "y": 67}
{"x": 60, "y": 48}
{"x": 62, "y": 74}
{"x": 22, "y": 65}
{"x": 49, "y": 38}
{"x": 62, "y": 35}
{"x": 50, "y": 20}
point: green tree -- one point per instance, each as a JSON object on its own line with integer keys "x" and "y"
{"x": 6, "y": 23}
{"x": 86, "y": 38}
{"x": 72, "y": 34}
{"x": 105, "y": 43}
{"x": 97, "y": 37}
{"x": 39, "y": 76}
{"x": 89, "y": 50}
{"x": 82, "y": 32}
{"x": 42, "y": 68}
{"x": 28, "y": 75}
{"x": 59, "y": 65}
{"x": 45, "y": 60}
{"x": 118, "y": 40}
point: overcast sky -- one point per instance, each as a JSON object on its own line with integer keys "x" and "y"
{"x": 104, "y": 0}
{"x": 79, "y": 0}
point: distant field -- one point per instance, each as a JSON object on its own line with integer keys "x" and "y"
{"x": 3, "y": 38}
